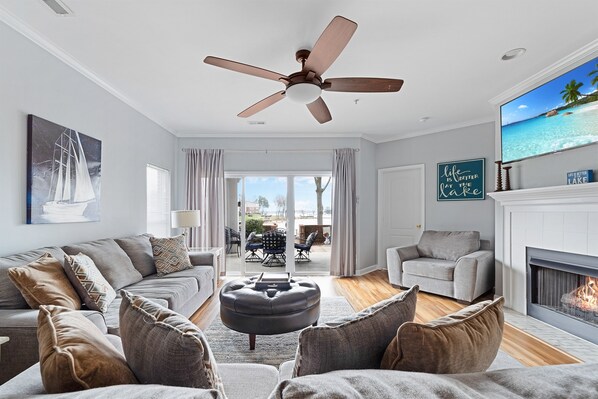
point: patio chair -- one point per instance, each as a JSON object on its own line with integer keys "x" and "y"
{"x": 252, "y": 246}
{"x": 274, "y": 249}
{"x": 303, "y": 249}
{"x": 232, "y": 237}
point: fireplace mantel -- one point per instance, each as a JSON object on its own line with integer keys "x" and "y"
{"x": 560, "y": 218}
{"x": 574, "y": 193}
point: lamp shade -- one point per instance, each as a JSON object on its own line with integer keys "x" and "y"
{"x": 185, "y": 219}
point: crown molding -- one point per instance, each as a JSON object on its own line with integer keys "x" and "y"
{"x": 574, "y": 59}
{"x": 27, "y": 31}
{"x": 278, "y": 135}
{"x": 418, "y": 133}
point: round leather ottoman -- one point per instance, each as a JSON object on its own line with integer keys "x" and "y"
{"x": 245, "y": 309}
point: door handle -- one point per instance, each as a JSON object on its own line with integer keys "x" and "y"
{"x": 419, "y": 226}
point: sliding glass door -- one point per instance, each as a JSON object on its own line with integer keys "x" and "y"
{"x": 270, "y": 220}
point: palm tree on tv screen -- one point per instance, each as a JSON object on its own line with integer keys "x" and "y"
{"x": 571, "y": 93}
{"x": 594, "y": 73}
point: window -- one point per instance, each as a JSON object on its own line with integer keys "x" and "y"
{"x": 158, "y": 201}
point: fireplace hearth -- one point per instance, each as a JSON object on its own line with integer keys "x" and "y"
{"x": 563, "y": 291}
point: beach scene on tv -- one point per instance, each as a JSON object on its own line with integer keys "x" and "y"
{"x": 556, "y": 116}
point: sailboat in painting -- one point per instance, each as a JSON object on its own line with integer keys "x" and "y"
{"x": 70, "y": 187}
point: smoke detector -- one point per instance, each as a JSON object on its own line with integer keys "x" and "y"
{"x": 59, "y": 7}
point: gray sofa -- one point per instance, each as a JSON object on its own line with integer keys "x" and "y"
{"x": 125, "y": 263}
{"x": 456, "y": 264}
{"x": 257, "y": 381}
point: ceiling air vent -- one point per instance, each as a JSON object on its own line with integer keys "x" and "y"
{"x": 58, "y": 7}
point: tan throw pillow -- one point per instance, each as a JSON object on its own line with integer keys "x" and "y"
{"x": 170, "y": 254}
{"x": 75, "y": 355}
{"x": 96, "y": 292}
{"x": 356, "y": 342}
{"x": 44, "y": 282}
{"x": 163, "y": 347}
{"x": 464, "y": 342}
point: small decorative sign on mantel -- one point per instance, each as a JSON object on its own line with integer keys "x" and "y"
{"x": 461, "y": 180}
{"x": 580, "y": 177}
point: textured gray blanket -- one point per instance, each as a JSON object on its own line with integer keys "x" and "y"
{"x": 565, "y": 381}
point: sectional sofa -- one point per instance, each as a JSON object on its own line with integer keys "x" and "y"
{"x": 125, "y": 263}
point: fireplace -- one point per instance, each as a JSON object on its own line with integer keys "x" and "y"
{"x": 562, "y": 290}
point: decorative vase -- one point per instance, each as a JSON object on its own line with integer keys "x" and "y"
{"x": 498, "y": 175}
{"x": 507, "y": 178}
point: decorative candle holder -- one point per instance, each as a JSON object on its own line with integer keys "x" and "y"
{"x": 498, "y": 175}
{"x": 507, "y": 178}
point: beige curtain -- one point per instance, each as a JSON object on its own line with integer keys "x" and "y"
{"x": 343, "y": 254}
{"x": 204, "y": 177}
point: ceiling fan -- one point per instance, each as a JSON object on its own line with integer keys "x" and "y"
{"x": 306, "y": 85}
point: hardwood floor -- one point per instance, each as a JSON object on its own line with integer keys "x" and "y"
{"x": 364, "y": 291}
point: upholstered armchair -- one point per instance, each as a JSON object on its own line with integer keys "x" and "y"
{"x": 456, "y": 264}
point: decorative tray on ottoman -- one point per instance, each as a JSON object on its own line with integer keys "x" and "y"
{"x": 279, "y": 281}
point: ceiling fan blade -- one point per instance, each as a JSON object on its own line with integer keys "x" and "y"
{"x": 320, "y": 111}
{"x": 330, "y": 44}
{"x": 244, "y": 68}
{"x": 362, "y": 85}
{"x": 263, "y": 104}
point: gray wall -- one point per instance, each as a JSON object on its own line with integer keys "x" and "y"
{"x": 453, "y": 145}
{"x": 32, "y": 81}
{"x": 303, "y": 160}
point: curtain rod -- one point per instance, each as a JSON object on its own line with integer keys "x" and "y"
{"x": 281, "y": 151}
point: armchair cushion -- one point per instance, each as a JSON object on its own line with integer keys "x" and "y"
{"x": 448, "y": 245}
{"x": 439, "y": 269}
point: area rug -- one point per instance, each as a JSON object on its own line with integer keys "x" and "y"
{"x": 230, "y": 346}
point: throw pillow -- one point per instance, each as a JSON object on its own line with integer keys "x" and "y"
{"x": 92, "y": 287}
{"x": 163, "y": 347}
{"x": 110, "y": 259}
{"x": 170, "y": 254}
{"x": 357, "y": 342}
{"x": 75, "y": 355}
{"x": 464, "y": 342}
{"x": 44, "y": 282}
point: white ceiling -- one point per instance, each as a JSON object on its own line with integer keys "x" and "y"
{"x": 448, "y": 52}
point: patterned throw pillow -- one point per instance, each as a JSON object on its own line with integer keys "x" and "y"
{"x": 92, "y": 287}
{"x": 164, "y": 347}
{"x": 170, "y": 254}
{"x": 44, "y": 282}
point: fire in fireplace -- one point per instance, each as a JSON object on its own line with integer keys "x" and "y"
{"x": 563, "y": 291}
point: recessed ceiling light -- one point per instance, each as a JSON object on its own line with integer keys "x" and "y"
{"x": 424, "y": 118}
{"x": 516, "y": 52}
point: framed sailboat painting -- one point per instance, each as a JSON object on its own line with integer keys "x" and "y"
{"x": 64, "y": 168}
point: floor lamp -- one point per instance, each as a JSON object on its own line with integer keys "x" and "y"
{"x": 185, "y": 219}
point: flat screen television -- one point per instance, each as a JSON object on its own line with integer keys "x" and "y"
{"x": 559, "y": 115}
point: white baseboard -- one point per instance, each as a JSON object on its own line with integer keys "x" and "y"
{"x": 367, "y": 270}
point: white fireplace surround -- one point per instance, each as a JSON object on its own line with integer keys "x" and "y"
{"x": 561, "y": 218}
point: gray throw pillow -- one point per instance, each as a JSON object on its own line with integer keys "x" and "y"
{"x": 164, "y": 347}
{"x": 170, "y": 254}
{"x": 356, "y": 342}
{"x": 110, "y": 259}
{"x": 139, "y": 249}
{"x": 448, "y": 245}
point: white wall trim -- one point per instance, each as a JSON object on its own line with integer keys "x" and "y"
{"x": 574, "y": 59}
{"x": 24, "y": 29}
{"x": 366, "y": 270}
{"x": 296, "y": 135}
{"x": 419, "y": 133}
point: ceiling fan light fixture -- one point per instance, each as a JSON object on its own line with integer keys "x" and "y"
{"x": 304, "y": 93}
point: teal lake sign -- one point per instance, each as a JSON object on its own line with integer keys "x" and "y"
{"x": 461, "y": 180}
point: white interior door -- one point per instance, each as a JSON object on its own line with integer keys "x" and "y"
{"x": 401, "y": 207}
